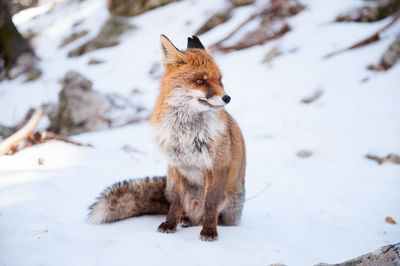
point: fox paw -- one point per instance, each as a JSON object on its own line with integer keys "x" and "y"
{"x": 209, "y": 234}
{"x": 166, "y": 227}
{"x": 184, "y": 221}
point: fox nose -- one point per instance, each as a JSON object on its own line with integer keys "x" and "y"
{"x": 226, "y": 98}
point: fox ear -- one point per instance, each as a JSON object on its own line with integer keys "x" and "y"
{"x": 195, "y": 42}
{"x": 170, "y": 53}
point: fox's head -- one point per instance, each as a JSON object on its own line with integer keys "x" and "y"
{"x": 192, "y": 77}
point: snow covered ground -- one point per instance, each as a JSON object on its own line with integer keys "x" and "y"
{"x": 329, "y": 207}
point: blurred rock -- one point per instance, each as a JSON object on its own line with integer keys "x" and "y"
{"x": 18, "y": 5}
{"x": 215, "y": 20}
{"x": 16, "y": 54}
{"x": 237, "y": 3}
{"x": 375, "y": 10}
{"x": 391, "y": 55}
{"x": 73, "y": 37}
{"x": 114, "y": 27}
{"x": 80, "y": 109}
{"x": 26, "y": 64}
{"x": 131, "y": 8}
{"x": 386, "y": 255}
{"x": 32, "y": 74}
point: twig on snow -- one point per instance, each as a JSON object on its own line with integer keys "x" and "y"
{"x": 11, "y": 143}
{"x": 371, "y": 39}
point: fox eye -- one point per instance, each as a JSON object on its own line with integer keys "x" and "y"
{"x": 199, "y": 81}
{"x": 220, "y": 82}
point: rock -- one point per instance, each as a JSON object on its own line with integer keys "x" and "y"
{"x": 386, "y": 255}
{"x": 215, "y": 20}
{"x": 131, "y": 8}
{"x": 237, "y": 3}
{"x": 13, "y": 47}
{"x": 108, "y": 36}
{"x": 26, "y": 64}
{"x": 73, "y": 37}
{"x": 371, "y": 12}
{"x": 80, "y": 109}
{"x": 19, "y": 5}
{"x": 32, "y": 74}
{"x": 391, "y": 56}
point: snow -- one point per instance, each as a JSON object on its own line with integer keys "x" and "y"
{"x": 329, "y": 207}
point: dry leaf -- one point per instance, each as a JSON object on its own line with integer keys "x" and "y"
{"x": 390, "y": 220}
{"x": 304, "y": 154}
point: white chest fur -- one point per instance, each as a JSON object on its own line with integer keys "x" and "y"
{"x": 185, "y": 138}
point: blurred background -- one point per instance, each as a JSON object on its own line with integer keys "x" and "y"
{"x": 315, "y": 88}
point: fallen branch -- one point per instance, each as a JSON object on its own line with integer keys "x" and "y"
{"x": 216, "y": 46}
{"x": 390, "y": 56}
{"x": 373, "y": 38}
{"x": 43, "y": 136}
{"x": 11, "y": 143}
{"x": 276, "y": 11}
{"x": 392, "y": 158}
{"x": 313, "y": 97}
{"x": 240, "y": 46}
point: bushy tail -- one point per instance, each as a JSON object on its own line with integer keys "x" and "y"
{"x": 130, "y": 198}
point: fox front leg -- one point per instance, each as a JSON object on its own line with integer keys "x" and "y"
{"x": 215, "y": 181}
{"x": 175, "y": 209}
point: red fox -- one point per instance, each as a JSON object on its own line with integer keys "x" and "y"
{"x": 202, "y": 144}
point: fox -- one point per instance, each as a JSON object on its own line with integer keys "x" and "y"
{"x": 202, "y": 144}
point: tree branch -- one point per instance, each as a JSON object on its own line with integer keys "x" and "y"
{"x": 11, "y": 143}
{"x": 373, "y": 38}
